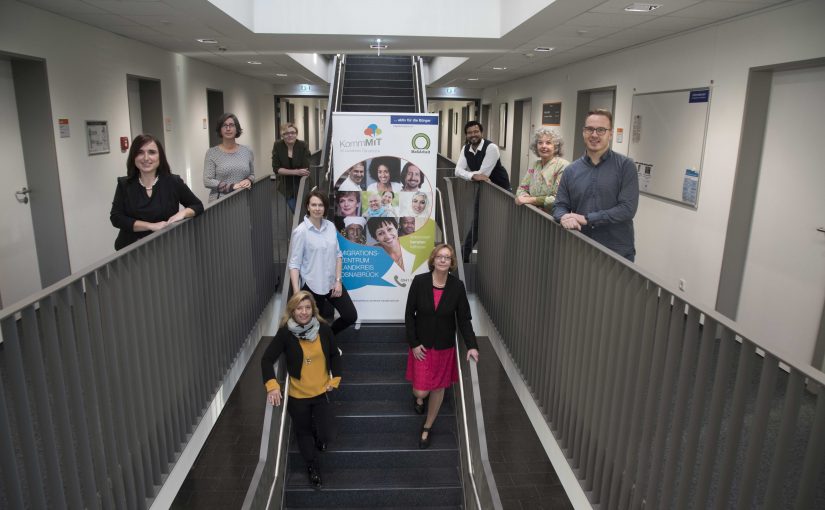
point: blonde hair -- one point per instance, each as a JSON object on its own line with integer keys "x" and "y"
{"x": 288, "y": 125}
{"x": 293, "y": 303}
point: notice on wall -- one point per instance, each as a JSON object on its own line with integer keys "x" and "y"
{"x": 63, "y": 128}
{"x": 636, "y": 129}
{"x": 645, "y": 172}
{"x": 551, "y": 114}
{"x": 690, "y": 186}
{"x": 384, "y": 168}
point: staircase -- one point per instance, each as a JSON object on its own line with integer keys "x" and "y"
{"x": 378, "y": 84}
{"x": 374, "y": 461}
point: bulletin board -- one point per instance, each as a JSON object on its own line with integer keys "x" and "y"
{"x": 667, "y": 142}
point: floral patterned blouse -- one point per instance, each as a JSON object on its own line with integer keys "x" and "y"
{"x": 542, "y": 182}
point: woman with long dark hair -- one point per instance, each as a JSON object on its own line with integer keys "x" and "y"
{"x": 150, "y": 196}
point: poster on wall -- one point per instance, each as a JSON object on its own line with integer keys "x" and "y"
{"x": 384, "y": 169}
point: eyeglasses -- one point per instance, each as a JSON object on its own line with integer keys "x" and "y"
{"x": 228, "y": 126}
{"x": 599, "y": 130}
{"x": 443, "y": 258}
{"x": 291, "y": 133}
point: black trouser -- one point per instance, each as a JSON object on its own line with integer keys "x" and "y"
{"x": 328, "y": 304}
{"x": 311, "y": 422}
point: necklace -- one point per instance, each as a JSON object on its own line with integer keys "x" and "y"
{"x": 149, "y": 188}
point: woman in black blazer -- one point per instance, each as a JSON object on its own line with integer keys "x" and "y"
{"x": 312, "y": 364}
{"x": 437, "y": 301}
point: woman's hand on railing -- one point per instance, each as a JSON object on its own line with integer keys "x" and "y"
{"x": 525, "y": 199}
{"x": 244, "y": 184}
{"x": 274, "y": 398}
{"x": 472, "y": 353}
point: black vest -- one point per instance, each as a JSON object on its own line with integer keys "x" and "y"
{"x": 498, "y": 176}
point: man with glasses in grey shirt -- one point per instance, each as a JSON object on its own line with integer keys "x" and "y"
{"x": 599, "y": 192}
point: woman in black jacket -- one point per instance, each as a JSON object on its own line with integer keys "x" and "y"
{"x": 437, "y": 301}
{"x": 290, "y": 162}
{"x": 312, "y": 365}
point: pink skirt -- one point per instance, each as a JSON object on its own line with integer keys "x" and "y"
{"x": 438, "y": 370}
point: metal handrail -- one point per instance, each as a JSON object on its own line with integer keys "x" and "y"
{"x": 482, "y": 439}
{"x": 277, "y": 473}
{"x": 333, "y": 105}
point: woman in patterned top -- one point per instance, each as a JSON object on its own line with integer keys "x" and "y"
{"x": 541, "y": 183}
{"x": 228, "y": 166}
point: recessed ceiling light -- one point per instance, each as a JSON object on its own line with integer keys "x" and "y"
{"x": 281, "y": 75}
{"x": 639, "y": 7}
{"x": 207, "y": 41}
{"x": 378, "y": 46}
{"x": 581, "y": 31}
{"x": 253, "y": 62}
{"x": 499, "y": 68}
{"x": 543, "y": 48}
{"x": 472, "y": 79}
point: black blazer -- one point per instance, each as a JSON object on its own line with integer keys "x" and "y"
{"x": 288, "y": 184}
{"x": 286, "y": 342}
{"x": 436, "y": 328}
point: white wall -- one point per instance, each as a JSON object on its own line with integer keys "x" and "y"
{"x": 672, "y": 241}
{"x": 87, "y": 70}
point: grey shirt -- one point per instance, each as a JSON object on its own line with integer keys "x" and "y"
{"x": 607, "y": 195}
{"x": 223, "y": 169}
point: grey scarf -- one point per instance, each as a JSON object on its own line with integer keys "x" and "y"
{"x": 308, "y": 331}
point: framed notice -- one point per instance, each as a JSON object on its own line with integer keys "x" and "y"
{"x": 97, "y": 137}
{"x": 551, "y": 114}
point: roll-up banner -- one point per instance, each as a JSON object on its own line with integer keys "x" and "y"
{"x": 384, "y": 167}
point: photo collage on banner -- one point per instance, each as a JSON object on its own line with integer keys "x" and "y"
{"x": 384, "y": 200}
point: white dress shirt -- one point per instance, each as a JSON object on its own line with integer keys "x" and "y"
{"x": 487, "y": 165}
{"x": 314, "y": 254}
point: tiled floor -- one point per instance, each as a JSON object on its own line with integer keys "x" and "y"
{"x": 524, "y": 476}
{"x": 221, "y": 475}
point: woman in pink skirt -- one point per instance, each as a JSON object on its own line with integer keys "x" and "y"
{"x": 437, "y": 301}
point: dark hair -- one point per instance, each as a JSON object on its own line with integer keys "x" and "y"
{"x": 406, "y": 167}
{"x": 340, "y": 194}
{"x": 321, "y": 196}
{"x": 472, "y": 123}
{"x": 391, "y": 163}
{"x": 373, "y": 224}
{"x": 137, "y": 144}
{"x": 439, "y": 247}
{"x": 603, "y": 113}
{"x": 223, "y": 118}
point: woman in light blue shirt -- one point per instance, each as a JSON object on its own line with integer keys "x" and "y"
{"x": 316, "y": 261}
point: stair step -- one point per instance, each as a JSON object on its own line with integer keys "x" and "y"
{"x": 382, "y": 67}
{"x": 373, "y": 362}
{"x": 356, "y": 347}
{"x": 430, "y": 507}
{"x": 409, "y": 425}
{"x": 348, "y": 99}
{"x": 411, "y": 457}
{"x": 384, "y": 442}
{"x": 384, "y": 91}
{"x": 372, "y": 82}
{"x": 374, "y": 333}
{"x": 377, "y": 108}
{"x": 350, "y": 377}
{"x": 387, "y": 407}
{"x": 378, "y": 75}
{"x": 421, "y": 497}
{"x": 398, "y": 478}
{"x": 374, "y": 59}
{"x": 399, "y": 391}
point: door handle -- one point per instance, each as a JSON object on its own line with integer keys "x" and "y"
{"x": 821, "y": 229}
{"x": 22, "y": 195}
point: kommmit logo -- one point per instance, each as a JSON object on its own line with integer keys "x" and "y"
{"x": 372, "y": 130}
{"x": 420, "y": 142}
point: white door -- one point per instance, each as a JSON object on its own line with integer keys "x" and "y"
{"x": 19, "y": 272}
{"x": 784, "y": 281}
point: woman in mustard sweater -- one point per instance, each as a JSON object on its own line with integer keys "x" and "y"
{"x": 312, "y": 364}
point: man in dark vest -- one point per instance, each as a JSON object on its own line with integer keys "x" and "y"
{"x": 479, "y": 161}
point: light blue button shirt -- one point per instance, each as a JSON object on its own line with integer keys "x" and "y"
{"x": 314, "y": 254}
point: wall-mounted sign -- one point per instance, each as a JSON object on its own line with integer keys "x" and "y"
{"x": 551, "y": 114}
{"x": 97, "y": 136}
{"x": 63, "y": 126}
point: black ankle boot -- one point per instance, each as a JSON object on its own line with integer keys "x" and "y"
{"x": 314, "y": 476}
